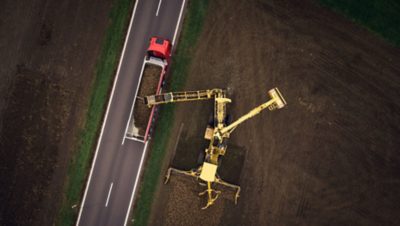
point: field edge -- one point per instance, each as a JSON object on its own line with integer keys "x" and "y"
{"x": 379, "y": 17}
{"x": 106, "y": 66}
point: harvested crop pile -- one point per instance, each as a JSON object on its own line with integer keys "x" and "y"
{"x": 185, "y": 203}
{"x": 148, "y": 86}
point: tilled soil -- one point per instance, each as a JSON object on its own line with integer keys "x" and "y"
{"x": 48, "y": 51}
{"x": 331, "y": 157}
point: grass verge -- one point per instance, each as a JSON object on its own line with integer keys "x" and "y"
{"x": 105, "y": 70}
{"x": 193, "y": 23}
{"x": 381, "y": 17}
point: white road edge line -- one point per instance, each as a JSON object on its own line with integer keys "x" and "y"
{"x": 136, "y": 182}
{"x": 134, "y": 101}
{"x": 179, "y": 22}
{"x": 158, "y": 8}
{"x": 109, "y": 193}
{"x": 106, "y": 116}
{"x": 145, "y": 146}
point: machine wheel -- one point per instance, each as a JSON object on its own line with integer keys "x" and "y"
{"x": 219, "y": 161}
{"x": 200, "y": 158}
{"x": 228, "y": 120}
{"x": 211, "y": 121}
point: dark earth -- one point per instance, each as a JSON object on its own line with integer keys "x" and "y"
{"x": 48, "y": 52}
{"x": 331, "y": 157}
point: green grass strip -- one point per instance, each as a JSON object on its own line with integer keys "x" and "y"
{"x": 379, "y": 16}
{"x": 192, "y": 26}
{"x": 105, "y": 71}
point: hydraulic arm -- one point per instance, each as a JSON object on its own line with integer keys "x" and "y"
{"x": 276, "y": 102}
{"x": 173, "y": 97}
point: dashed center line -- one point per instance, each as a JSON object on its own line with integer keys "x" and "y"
{"x": 109, "y": 193}
{"x": 158, "y": 8}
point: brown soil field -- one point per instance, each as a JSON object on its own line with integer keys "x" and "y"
{"x": 148, "y": 86}
{"x": 331, "y": 157}
{"x": 48, "y": 51}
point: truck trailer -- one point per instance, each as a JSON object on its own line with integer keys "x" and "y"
{"x": 151, "y": 80}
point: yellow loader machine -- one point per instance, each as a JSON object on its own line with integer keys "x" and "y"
{"x": 217, "y": 133}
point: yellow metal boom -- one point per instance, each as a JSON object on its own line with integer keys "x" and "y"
{"x": 276, "y": 102}
{"x": 173, "y": 97}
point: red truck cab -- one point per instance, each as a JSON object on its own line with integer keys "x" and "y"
{"x": 159, "y": 48}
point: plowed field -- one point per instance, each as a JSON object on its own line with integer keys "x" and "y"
{"x": 331, "y": 157}
{"x": 48, "y": 51}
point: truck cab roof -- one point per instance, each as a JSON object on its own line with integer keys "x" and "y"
{"x": 159, "y": 47}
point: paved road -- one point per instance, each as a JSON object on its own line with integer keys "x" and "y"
{"x": 110, "y": 188}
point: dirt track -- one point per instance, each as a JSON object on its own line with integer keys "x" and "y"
{"x": 331, "y": 157}
{"x": 48, "y": 50}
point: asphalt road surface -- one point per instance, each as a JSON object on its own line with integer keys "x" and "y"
{"x": 117, "y": 162}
